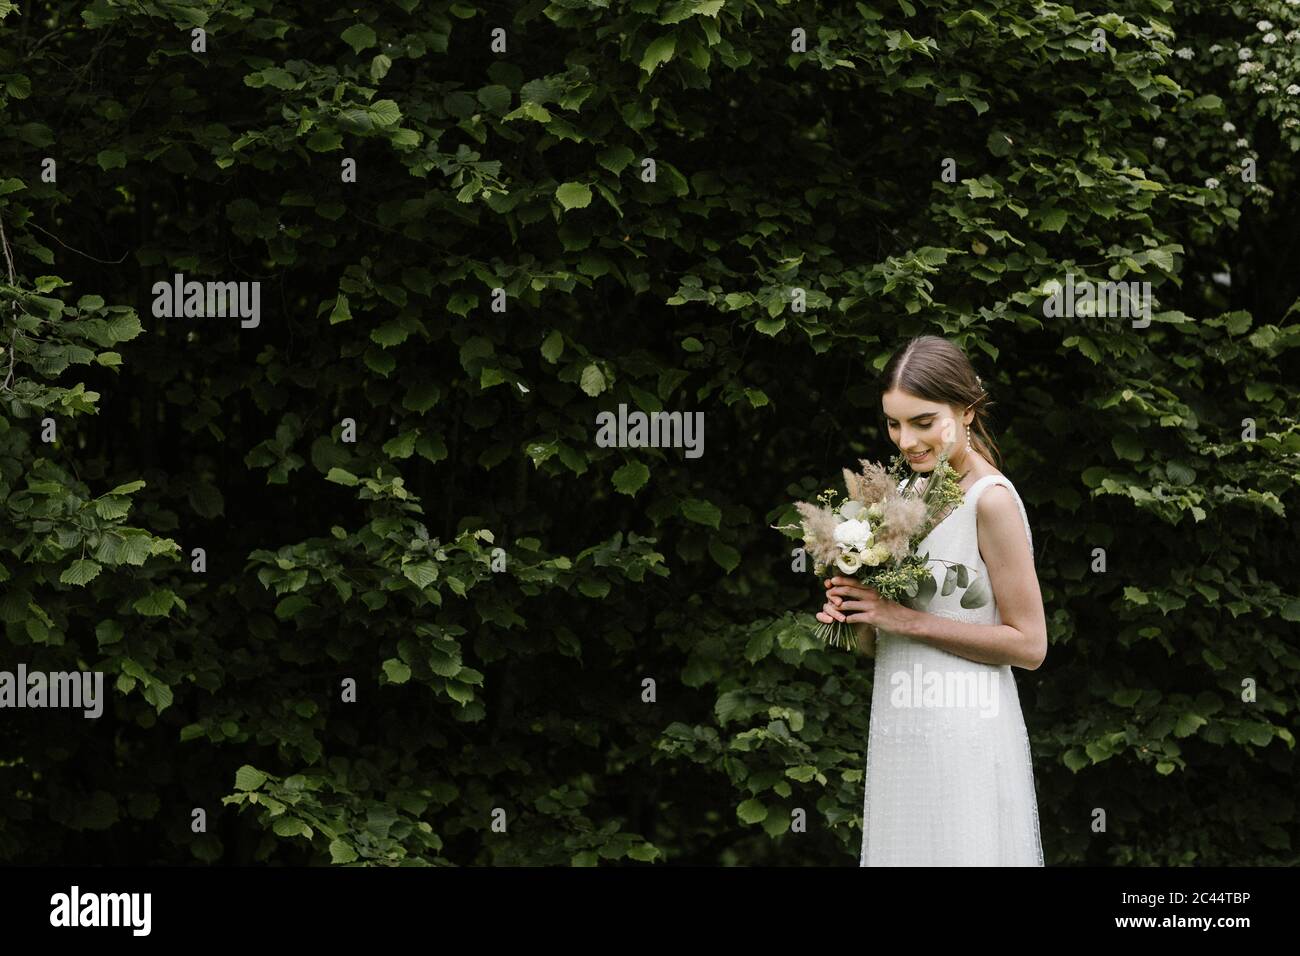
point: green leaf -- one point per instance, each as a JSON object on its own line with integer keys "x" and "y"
{"x": 273, "y": 77}
{"x": 1127, "y": 446}
{"x": 397, "y": 671}
{"x": 1187, "y": 724}
{"x": 420, "y": 573}
{"x": 322, "y": 141}
{"x": 159, "y": 695}
{"x": 341, "y": 477}
{"x": 341, "y": 852}
{"x": 726, "y": 556}
{"x": 573, "y": 195}
{"x": 111, "y": 159}
{"x": 593, "y": 380}
{"x": 998, "y": 143}
{"x": 1125, "y": 698}
{"x": 249, "y": 778}
{"x": 751, "y": 811}
{"x": 659, "y": 51}
{"x": 553, "y": 346}
{"x": 385, "y": 112}
{"x": 290, "y": 826}
{"x": 977, "y": 594}
{"x": 156, "y": 603}
{"x": 359, "y": 37}
{"x": 495, "y": 98}
{"x": 615, "y": 159}
{"x": 629, "y": 479}
{"x": 1053, "y": 219}
{"x": 597, "y": 588}
{"x": 703, "y": 512}
{"x": 1259, "y": 391}
{"x": 341, "y": 312}
{"x": 80, "y": 572}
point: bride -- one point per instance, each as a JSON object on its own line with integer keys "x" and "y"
{"x": 949, "y": 779}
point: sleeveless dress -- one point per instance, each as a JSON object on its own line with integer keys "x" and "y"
{"x": 949, "y": 777}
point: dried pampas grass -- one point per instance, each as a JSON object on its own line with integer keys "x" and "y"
{"x": 818, "y": 532}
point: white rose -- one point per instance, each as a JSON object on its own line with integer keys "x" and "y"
{"x": 853, "y": 534}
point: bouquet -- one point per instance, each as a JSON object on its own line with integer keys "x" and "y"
{"x": 874, "y": 531}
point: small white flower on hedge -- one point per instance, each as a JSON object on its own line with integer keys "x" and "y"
{"x": 1211, "y": 183}
{"x": 1270, "y": 38}
{"x": 1229, "y": 128}
{"x": 1244, "y": 53}
{"x": 1159, "y": 142}
{"x": 1185, "y": 53}
{"x": 1293, "y": 90}
{"x": 1264, "y": 25}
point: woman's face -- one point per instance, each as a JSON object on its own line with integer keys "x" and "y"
{"x": 921, "y": 427}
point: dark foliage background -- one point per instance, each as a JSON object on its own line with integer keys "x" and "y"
{"x": 519, "y": 696}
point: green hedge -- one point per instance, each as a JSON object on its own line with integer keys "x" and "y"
{"x": 571, "y": 653}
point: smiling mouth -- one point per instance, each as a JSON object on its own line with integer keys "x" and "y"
{"x": 917, "y": 457}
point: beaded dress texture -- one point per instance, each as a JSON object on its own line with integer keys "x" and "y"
{"x": 949, "y": 777}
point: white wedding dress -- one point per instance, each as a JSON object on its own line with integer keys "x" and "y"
{"x": 949, "y": 778}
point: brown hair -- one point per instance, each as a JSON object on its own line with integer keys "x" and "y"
{"x": 934, "y": 369}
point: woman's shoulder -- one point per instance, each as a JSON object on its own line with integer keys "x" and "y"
{"x": 1001, "y": 510}
{"x": 990, "y": 481}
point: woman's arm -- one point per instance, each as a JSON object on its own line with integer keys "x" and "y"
{"x": 1021, "y": 638}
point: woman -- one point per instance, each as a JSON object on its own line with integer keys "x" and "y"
{"x": 949, "y": 781}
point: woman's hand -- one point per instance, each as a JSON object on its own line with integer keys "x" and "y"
{"x": 850, "y": 600}
{"x": 831, "y": 611}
